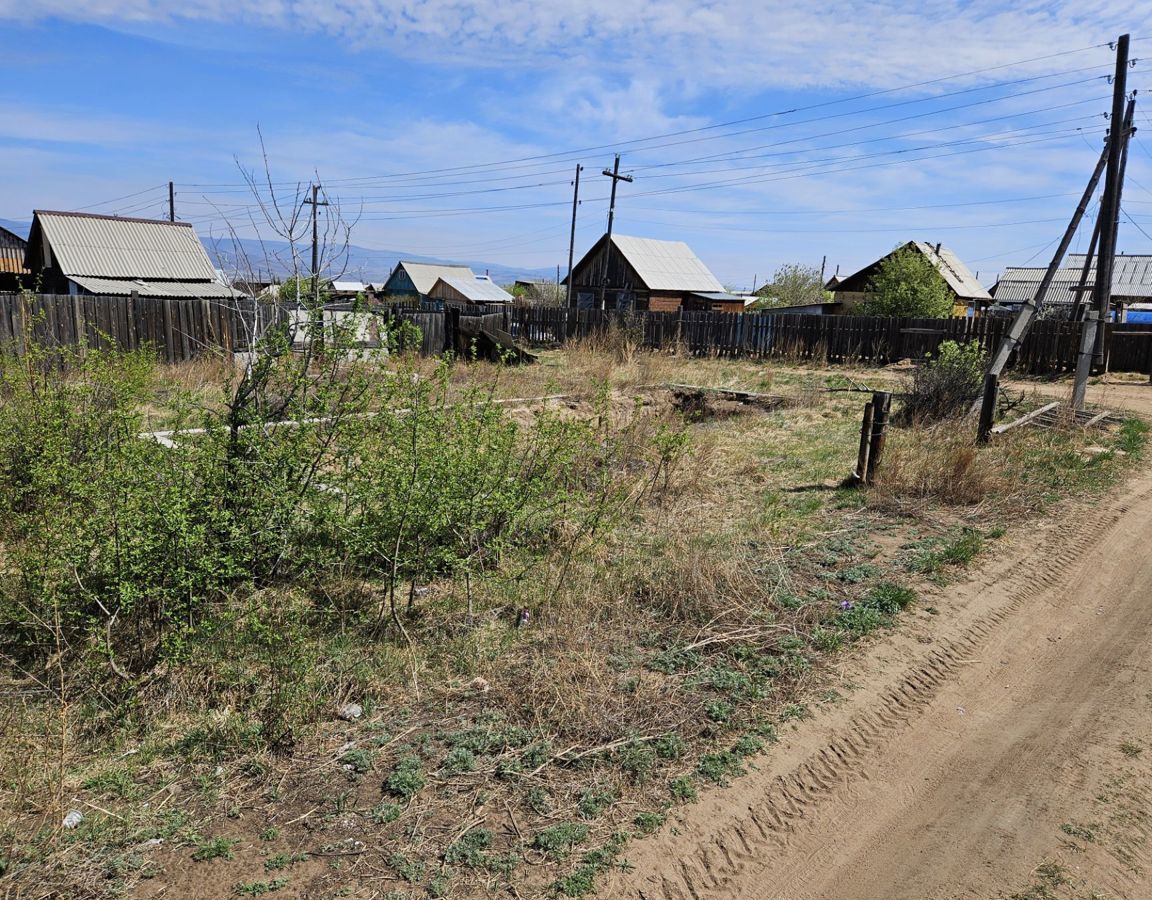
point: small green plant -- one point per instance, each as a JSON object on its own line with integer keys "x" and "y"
{"x": 719, "y": 767}
{"x": 469, "y": 849}
{"x": 406, "y": 779}
{"x": 558, "y": 840}
{"x": 670, "y": 746}
{"x": 269, "y": 834}
{"x": 411, "y": 870}
{"x": 253, "y": 888}
{"x": 1130, "y": 749}
{"x": 538, "y": 800}
{"x": 358, "y": 761}
{"x": 383, "y": 813}
{"x": 1078, "y": 831}
{"x": 648, "y": 822}
{"x": 593, "y": 802}
{"x": 683, "y": 789}
{"x": 637, "y": 760}
{"x": 459, "y": 760}
{"x": 283, "y": 860}
{"x": 214, "y": 848}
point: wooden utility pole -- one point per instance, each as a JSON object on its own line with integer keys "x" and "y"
{"x": 572, "y": 236}
{"x": 616, "y": 177}
{"x": 315, "y": 203}
{"x": 171, "y": 202}
{"x": 1082, "y": 286}
{"x": 1110, "y": 201}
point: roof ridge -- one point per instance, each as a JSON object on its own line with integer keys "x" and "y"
{"x": 86, "y": 215}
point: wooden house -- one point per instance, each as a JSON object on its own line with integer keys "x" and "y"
{"x": 966, "y": 291}
{"x": 13, "y": 273}
{"x": 647, "y": 274}
{"x": 414, "y": 280}
{"x": 83, "y": 253}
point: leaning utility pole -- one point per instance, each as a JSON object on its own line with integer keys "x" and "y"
{"x": 1110, "y": 158}
{"x": 171, "y": 202}
{"x": 616, "y": 177}
{"x": 572, "y": 236}
{"x": 1104, "y": 294}
{"x": 1110, "y": 201}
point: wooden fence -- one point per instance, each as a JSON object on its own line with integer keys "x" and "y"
{"x": 182, "y": 329}
{"x": 179, "y": 329}
{"x": 1049, "y": 348}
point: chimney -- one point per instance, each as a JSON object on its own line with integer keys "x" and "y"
{"x": 937, "y": 248}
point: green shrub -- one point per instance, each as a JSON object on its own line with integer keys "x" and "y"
{"x": 558, "y": 840}
{"x": 947, "y": 384}
{"x": 406, "y": 779}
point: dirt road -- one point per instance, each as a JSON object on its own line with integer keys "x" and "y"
{"x": 1000, "y": 747}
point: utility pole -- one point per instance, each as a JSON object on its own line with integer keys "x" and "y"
{"x": 572, "y": 236}
{"x": 1110, "y": 201}
{"x": 616, "y": 177}
{"x": 315, "y": 203}
{"x": 1104, "y": 294}
{"x": 171, "y": 202}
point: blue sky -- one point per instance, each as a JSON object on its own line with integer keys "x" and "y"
{"x": 451, "y": 128}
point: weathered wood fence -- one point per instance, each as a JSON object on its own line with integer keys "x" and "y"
{"x": 181, "y": 329}
{"x": 1049, "y": 348}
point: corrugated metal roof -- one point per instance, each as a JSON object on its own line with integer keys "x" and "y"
{"x": 666, "y": 265}
{"x": 720, "y": 296}
{"x": 425, "y": 275}
{"x": 208, "y": 290}
{"x": 112, "y": 247}
{"x": 477, "y": 290}
{"x": 958, "y": 275}
{"x": 350, "y": 287}
{"x": 1131, "y": 278}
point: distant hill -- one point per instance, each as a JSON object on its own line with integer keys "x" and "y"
{"x": 364, "y": 263}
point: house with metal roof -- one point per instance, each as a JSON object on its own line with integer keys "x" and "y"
{"x": 644, "y": 273}
{"x": 967, "y": 291}
{"x": 477, "y": 290}
{"x": 415, "y": 280}
{"x": 13, "y": 273}
{"x": 1131, "y": 283}
{"x": 83, "y": 253}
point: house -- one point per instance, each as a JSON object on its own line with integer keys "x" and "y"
{"x": 475, "y": 290}
{"x": 966, "y": 290}
{"x": 13, "y": 273}
{"x": 1131, "y": 283}
{"x": 343, "y": 291}
{"x": 83, "y": 253}
{"x": 647, "y": 274}
{"x": 415, "y": 280}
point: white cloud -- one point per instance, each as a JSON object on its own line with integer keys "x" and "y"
{"x": 742, "y": 44}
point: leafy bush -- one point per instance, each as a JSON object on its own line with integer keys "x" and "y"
{"x": 907, "y": 284}
{"x": 406, "y": 779}
{"x": 947, "y": 384}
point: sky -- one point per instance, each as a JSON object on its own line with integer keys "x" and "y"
{"x": 761, "y": 133}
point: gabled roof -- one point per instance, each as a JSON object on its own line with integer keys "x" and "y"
{"x": 84, "y": 244}
{"x": 957, "y": 275}
{"x": 477, "y": 290}
{"x": 425, "y": 275}
{"x": 666, "y": 265}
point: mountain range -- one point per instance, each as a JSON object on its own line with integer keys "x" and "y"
{"x": 363, "y": 264}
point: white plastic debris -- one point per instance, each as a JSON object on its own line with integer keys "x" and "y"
{"x": 74, "y": 818}
{"x": 479, "y": 684}
{"x": 350, "y": 712}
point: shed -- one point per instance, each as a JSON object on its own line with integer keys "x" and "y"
{"x": 13, "y": 273}
{"x": 642, "y": 273}
{"x": 83, "y": 253}
{"x": 966, "y": 289}
{"x": 416, "y": 279}
{"x": 716, "y": 301}
{"x": 1131, "y": 282}
{"x": 479, "y": 289}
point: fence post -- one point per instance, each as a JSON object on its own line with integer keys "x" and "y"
{"x": 988, "y": 408}
{"x": 865, "y": 440}
{"x": 881, "y": 403}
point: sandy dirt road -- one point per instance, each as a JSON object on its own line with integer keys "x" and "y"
{"x": 998, "y": 747}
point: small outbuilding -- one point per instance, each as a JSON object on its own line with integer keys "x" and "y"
{"x": 1131, "y": 284}
{"x": 479, "y": 290}
{"x": 967, "y": 292}
{"x": 83, "y": 253}
{"x": 13, "y": 273}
